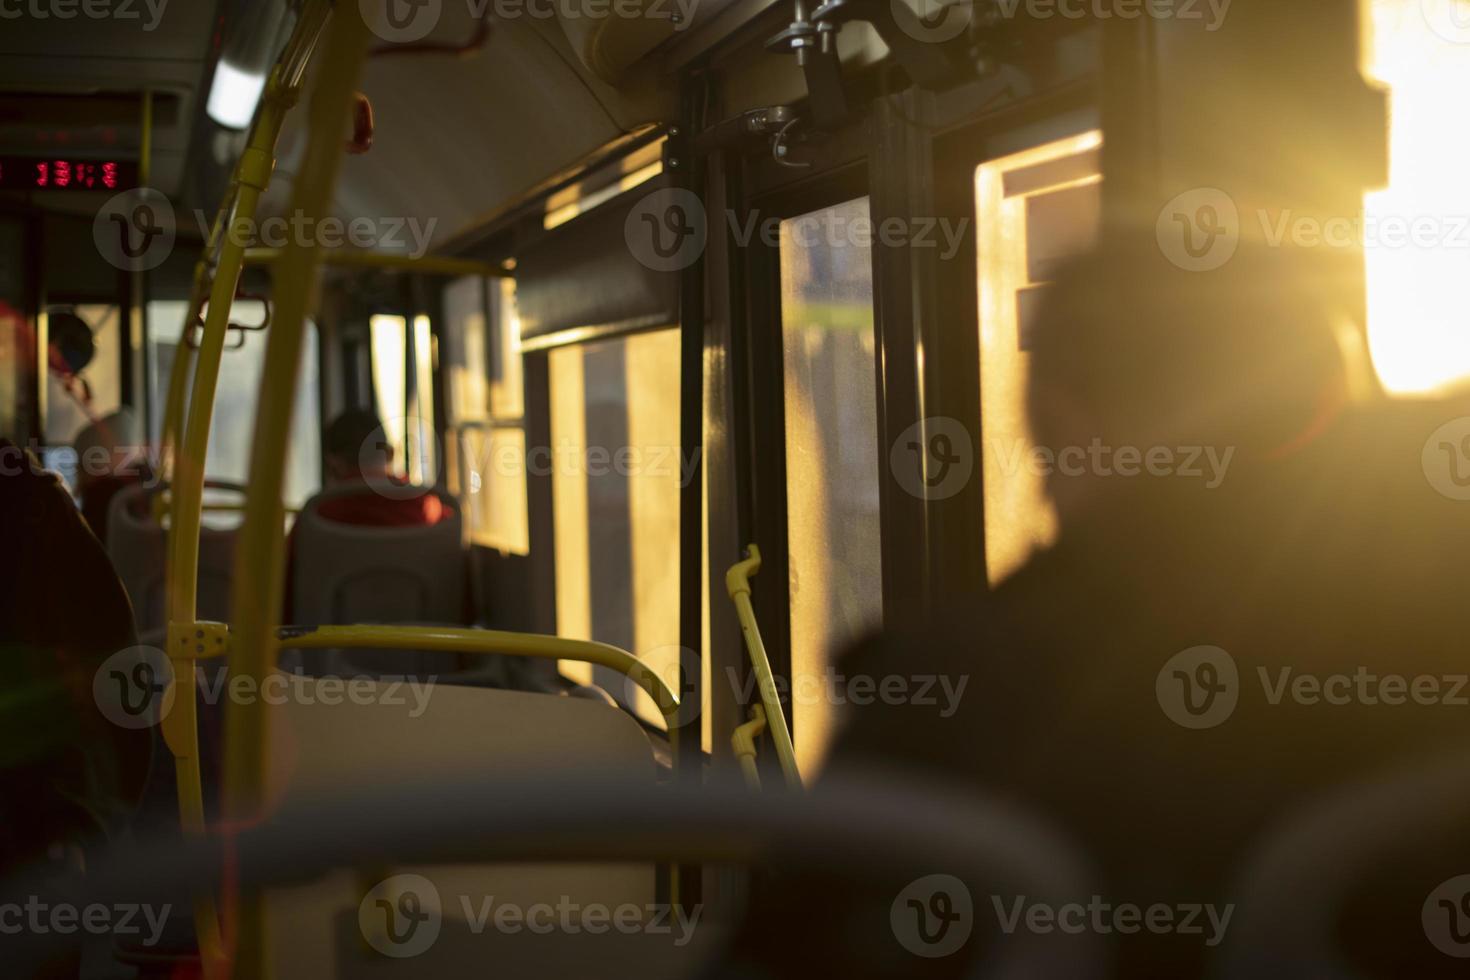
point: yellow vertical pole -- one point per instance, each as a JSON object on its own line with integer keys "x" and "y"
{"x": 256, "y": 597}
{"x": 180, "y": 727}
{"x": 173, "y": 406}
{"x": 252, "y": 174}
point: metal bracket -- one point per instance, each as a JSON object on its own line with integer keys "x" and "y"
{"x": 198, "y": 641}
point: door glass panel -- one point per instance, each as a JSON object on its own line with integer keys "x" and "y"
{"x": 616, "y": 473}
{"x": 832, "y": 463}
{"x": 1035, "y": 209}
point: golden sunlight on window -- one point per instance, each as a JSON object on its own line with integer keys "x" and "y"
{"x": 1418, "y": 324}
{"x": 390, "y": 354}
{"x": 1034, "y": 209}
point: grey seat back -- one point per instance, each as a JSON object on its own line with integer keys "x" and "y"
{"x": 137, "y": 545}
{"x": 402, "y": 734}
{"x": 350, "y": 573}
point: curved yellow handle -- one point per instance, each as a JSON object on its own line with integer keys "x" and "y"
{"x": 737, "y": 583}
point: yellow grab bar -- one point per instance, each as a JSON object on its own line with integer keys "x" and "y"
{"x": 451, "y": 639}
{"x": 742, "y": 741}
{"x": 260, "y": 553}
{"x": 184, "y": 461}
{"x": 441, "y": 265}
{"x": 737, "y": 583}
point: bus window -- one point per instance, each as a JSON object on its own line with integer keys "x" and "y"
{"x": 1412, "y": 231}
{"x": 14, "y": 357}
{"x": 402, "y": 369}
{"x": 832, "y": 466}
{"x": 481, "y": 358}
{"x": 390, "y": 382}
{"x": 1035, "y": 209}
{"x": 232, "y": 429}
{"x": 616, "y": 471}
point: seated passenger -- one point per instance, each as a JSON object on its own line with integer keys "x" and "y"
{"x": 1321, "y": 552}
{"x": 68, "y": 776}
{"x": 109, "y": 459}
{"x": 356, "y": 455}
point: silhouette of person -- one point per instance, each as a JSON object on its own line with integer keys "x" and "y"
{"x": 1195, "y": 662}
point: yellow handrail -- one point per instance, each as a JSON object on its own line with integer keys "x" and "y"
{"x": 742, "y": 742}
{"x": 450, "y": 639}
{"x": 259, "y": 558}
{"x": 737, "y": 583}
{"x": 442, "y": 265}
{"x": 186, "y": 466}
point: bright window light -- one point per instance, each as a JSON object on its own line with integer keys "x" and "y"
{"x": 233, "y": 97}
{"x": 1418, "y": 331}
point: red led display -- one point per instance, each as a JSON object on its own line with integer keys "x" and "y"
{"x": 64, "y": 174}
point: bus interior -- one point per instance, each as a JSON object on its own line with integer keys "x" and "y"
{"x": 734, "y": 488}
